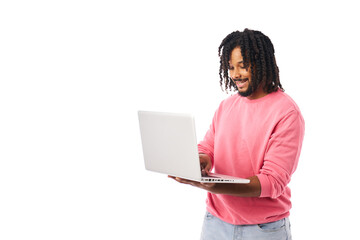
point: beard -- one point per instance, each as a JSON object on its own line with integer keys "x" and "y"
{"x": 250, "y": 90}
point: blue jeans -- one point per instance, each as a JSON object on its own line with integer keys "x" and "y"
{"x": 216, "y": 229}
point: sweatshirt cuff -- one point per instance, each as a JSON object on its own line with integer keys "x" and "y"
{"x": 265, "y": 185}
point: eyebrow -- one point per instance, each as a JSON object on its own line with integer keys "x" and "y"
{"x": 240, "y": 62}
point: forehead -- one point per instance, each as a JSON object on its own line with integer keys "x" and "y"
{"x": 235, "y": 55}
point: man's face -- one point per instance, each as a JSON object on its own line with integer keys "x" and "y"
{"x": 239, "y": 74}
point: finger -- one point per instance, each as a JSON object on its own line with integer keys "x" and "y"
{"x": 203, "y": 162}
{"x": 187, "y": 181}
{"x": 202, "y": 166}
{"x": 182, "y": 180}
{"x": 207, "y": 184}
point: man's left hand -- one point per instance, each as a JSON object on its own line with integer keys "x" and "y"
{"x": 206, "y": 186}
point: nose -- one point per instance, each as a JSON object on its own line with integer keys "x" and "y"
{"x": 236, "y": 73}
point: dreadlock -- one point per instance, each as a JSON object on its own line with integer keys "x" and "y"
{"x": 258, "y": 54}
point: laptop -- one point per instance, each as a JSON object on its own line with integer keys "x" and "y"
{"x": 169, "y": 146}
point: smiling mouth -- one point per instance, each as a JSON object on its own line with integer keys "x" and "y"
{"x": 241, "y": 80}
{"x": 240, "y": 83}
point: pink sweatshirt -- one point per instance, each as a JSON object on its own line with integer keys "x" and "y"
{"x": 261, "y": 137}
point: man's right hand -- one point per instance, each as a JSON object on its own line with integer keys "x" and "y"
{"x": 205, "y": 164}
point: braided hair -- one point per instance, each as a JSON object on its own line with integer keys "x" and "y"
{"x": 258, "y": 53}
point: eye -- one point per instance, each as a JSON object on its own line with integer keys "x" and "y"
{"x": 242, "y": 65}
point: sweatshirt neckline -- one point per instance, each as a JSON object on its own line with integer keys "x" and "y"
{"x": 259, "y": 99}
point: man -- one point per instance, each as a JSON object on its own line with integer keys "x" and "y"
{"x": 255, "y": 134}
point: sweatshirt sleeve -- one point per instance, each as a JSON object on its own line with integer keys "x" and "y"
{"x": 282, "y": 155}
{"x": 207, "y": 144}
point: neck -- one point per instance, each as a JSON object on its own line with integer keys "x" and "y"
{"x": 259, "y": 93}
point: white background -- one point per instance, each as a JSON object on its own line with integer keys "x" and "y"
{"x": 74, "y": 73}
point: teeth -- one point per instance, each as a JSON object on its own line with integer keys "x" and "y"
{"x": 242, "y": 80}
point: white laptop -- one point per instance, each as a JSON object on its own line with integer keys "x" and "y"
{"x": 170, "y": 146}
